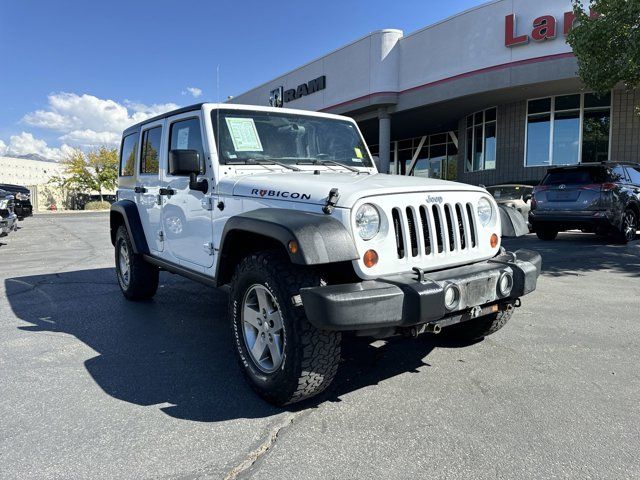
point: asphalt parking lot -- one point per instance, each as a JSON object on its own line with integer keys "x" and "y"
{"x": 94, "y": 386}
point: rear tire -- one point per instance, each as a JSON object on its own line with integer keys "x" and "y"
{"x": 546, "y": 234}
{"x": 138, "y": 279}
{"x": 294, "y": 360}
{"x": 629, "y": 226}
{"x": 478, "y": 328}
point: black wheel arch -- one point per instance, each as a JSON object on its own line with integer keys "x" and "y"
{"x": 125, "y": 212}
{"x": 320, "y": 239}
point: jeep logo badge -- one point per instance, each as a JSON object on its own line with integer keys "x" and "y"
{"x": 432, "y": 199}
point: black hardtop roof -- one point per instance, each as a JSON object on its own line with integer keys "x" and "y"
{"x": 177, "y": 111}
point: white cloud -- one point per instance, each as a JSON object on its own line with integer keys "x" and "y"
{"x": 83, "y": 121}
{"x": 26, "y": 143}
{"x": 91, "y": 138}
{"x": 195, "y": 92}
{"x": 3, "y": 148}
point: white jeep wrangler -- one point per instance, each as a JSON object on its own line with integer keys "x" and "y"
{"x": 288, "y": 208}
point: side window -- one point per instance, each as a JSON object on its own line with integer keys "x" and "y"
{"x": 150, "y": 158}
{"x": 634, "y": 173}
{"x": 186, "y": 135}
{"x": 128, "y": 155}
{"x": 618, "y": 175}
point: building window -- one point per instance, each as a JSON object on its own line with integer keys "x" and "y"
{"x": 481, "y": 141}
{"x": 437, "y": 158}
{"x": 568, "y": 129}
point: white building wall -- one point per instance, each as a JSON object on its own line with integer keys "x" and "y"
{"x": 22, "y": 171}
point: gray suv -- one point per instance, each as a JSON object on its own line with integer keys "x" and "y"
{"x": 594, "y": 197}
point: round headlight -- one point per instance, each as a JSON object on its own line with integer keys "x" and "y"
{"x": 485, "y": 211}
{"x": 367, "y": 221}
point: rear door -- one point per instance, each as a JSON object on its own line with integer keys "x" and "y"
{"x": 186, "y": 213}
{"x": 149, "y": 182}
{"x": 575, "y": 189}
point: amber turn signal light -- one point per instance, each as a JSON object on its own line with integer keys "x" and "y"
{"x": 494, "y": 240}
{"x": 293, "y": 246}
{"x": 370, "y": 258}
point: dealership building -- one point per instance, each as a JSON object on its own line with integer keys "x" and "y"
{"x": 487, "y": 96}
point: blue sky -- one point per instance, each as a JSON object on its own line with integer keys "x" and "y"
{"x": 74, "y": 73}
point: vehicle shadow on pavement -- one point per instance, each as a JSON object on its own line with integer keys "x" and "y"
{"x": 574, "y": 253}
{"x": 175, "y": 351}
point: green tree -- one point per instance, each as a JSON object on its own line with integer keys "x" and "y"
{"x": 607, "y": 43}
{"x": 95, "y": 171}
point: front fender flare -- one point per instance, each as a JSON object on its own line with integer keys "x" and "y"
{"x": 321, "y": 239}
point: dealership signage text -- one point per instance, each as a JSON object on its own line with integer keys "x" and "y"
{"x": 279, "y": 96}
{"x": 543, "y": 28}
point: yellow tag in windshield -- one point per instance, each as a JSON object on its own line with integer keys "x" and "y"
{"x": 358, "y": 152}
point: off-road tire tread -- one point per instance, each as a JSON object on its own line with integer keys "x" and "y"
{"x": 144, "y": 277}
{"x": 317, "y": 355}
{"x": 479, "y": 328}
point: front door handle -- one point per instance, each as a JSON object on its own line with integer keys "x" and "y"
{"x": 140, "y": 190}
{"x": 167, "y": 191}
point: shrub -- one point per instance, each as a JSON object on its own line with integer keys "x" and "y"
{"x": 97, "y": 206}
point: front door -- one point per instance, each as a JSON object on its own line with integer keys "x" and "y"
{"x": 187, "y": 218}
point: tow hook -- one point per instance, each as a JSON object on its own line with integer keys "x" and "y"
{"x": 417, "y": 330}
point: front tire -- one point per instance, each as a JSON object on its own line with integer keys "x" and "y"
{"x": 138, "y": 279}
{"x": 284, "y": 358}
{"x": 478, "y": 328}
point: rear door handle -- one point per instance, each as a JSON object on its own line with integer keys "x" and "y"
{"x": 140, "y": 190}
{"x": 167, "y": 191}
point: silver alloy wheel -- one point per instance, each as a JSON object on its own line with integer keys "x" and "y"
{"x": 125, "y": 265}
{"x": 629, "y": 225}
{"x": 263, "y": 329}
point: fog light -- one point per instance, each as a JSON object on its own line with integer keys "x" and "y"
{"x": 370, "y": 258}
{"x": 494, "y": 241}
{"x": 505, "y": 284}
{"x": 451, "y": 296}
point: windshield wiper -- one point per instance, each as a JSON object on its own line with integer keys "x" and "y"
{"x": 328, "y": 162}
{"x": 260, "y": 161}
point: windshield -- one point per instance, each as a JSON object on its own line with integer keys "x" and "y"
{"x": 509, "y": 193}
{"x": 246, "y": 136}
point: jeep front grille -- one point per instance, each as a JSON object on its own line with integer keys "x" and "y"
{"x": 434, "y": 229}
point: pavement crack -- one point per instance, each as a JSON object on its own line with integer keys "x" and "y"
{"x": 262, "y": 449}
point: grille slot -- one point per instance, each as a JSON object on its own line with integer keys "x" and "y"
{"x": 433, "y": 230}
{"x": 395, "y": 215}
{"x": 425, "y": 230}
{"x": 413, "y": 234}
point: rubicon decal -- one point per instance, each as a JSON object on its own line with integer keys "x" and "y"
{"x": 280, "y": 194}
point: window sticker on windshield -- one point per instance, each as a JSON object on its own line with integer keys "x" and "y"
{"x": 183, "y": 139}
{"x": 356, "y": 160}
{"x": 244, "y": 134}
{"x": 358, "y": 152}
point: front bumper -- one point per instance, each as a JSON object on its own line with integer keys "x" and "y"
{"x": 404, "y": 300}
{"x": 23, "y": 210}
{"x": 8, "y": 224}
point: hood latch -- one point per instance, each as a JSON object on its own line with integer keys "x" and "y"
{"x": 332, "y": 199}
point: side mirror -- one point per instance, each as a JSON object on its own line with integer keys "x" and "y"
{"x": 187, "y": 163}
{"x": 184, "y": 162}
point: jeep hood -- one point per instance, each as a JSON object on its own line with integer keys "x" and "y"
{"x": 310, "y": 188}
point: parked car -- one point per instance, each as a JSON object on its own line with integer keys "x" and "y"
{"x": 287, "y": 207}
{"x": 594, "y": 197}
{"x": 22, "y": 198}
{"x": 8, "y": 219}
{"x": 513, "y": 195}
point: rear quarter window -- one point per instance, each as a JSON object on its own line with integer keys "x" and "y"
{"x": 128, "y": 155}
